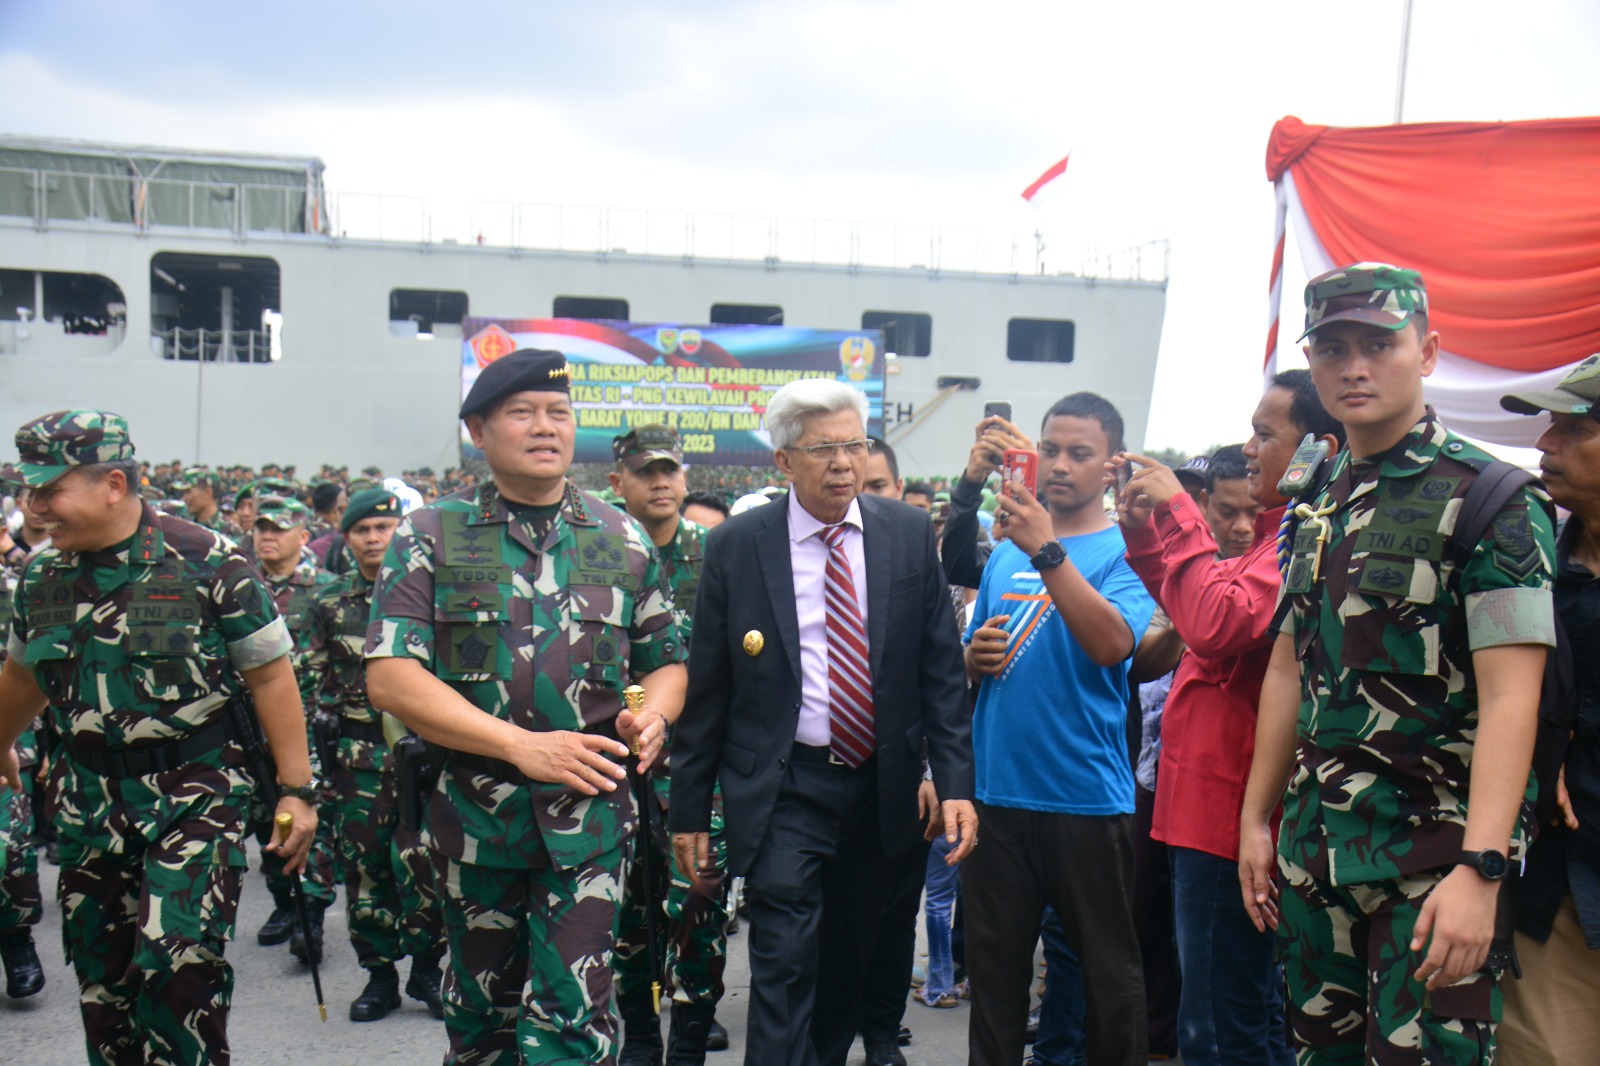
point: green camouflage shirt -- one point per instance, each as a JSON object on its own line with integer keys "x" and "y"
{"x": 681, "y": 560}
{"x": 543, "y": 635}
{"x": 139, "y": 644}
{"x": 331, "y": 644}
{"x": 294, "y": 596}
{"x": 1388, "y": 712}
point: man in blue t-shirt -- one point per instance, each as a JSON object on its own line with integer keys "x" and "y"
{"x": 1053, "y": 629}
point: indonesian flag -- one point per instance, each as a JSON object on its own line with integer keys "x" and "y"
{"x": 1500, "y": 218}
{"x": 1044, "y": 179}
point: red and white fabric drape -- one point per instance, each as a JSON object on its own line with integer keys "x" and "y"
{"x": 1503, "y": 221}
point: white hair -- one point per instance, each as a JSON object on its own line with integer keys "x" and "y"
{"x": 791, "y": 405}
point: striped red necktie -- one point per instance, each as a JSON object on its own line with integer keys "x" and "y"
{"x": 849, "y": 669}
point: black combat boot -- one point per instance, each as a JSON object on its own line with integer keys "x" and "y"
{"x": 297, "y": 943}
{"x": 424, "y": 982}
{"x": 24, "y": 975}
{"x": 381, "y": 995}
{"x": 718, "y": 1040}
{"x": 641, "y": 1030}
{"x": 691, "y": 1026}
{"x": 278, "y": 928}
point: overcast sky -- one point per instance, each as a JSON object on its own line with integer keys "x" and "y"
{"x": 925, "y": 112}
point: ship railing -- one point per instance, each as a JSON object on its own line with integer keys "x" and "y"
{"x": 58, "y": 199}
{"x": 717, "y": 237}
{"x": 53, "y": 198}
{"x": 213, "y": 345}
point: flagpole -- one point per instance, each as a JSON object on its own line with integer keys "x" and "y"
{"x": 1400, "y": 80}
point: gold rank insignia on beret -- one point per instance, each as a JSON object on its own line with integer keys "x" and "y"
{"x": 754, "y": 642}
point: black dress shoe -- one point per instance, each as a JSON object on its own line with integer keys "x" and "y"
{"x": 717, "y": 1039}
{"x": 903, "y": 1037}
{"x": 24, "y": 974}
{"x": 381, "y": 995}
{"x": 423, "y": 985}
{"x": 884, "y": 1055}
{"x": 309, "y": 951}
{"x": 1031, "y": 1033}
{"x": 278, "y": 928}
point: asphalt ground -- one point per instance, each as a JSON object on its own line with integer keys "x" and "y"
{"x": 274, "y": 1017}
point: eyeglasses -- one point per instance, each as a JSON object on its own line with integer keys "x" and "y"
{"x": 852, "y": 449}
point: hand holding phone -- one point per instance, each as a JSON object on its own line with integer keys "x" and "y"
{"x": 1022, "y": 466}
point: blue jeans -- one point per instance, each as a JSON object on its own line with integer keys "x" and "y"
{"x": 1231, "y": 1007}
{"x": 942, "y": 886}
{"x": 1062, "y": 1041}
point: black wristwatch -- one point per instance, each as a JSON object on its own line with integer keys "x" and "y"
{"x": 1490, "y": 864}
{"x": 1049, "y": 557}
{"x": 309, "y": 792}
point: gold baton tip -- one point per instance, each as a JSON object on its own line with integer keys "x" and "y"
{"x": 284, "y": 822}
{"x": 634, "y": 695}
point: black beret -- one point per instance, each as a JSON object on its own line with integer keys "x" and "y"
{"x": 525, "y": 370}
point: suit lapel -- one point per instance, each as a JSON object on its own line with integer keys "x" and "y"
{"x": 878, "y": 550}
{"x": 772, "y": 555}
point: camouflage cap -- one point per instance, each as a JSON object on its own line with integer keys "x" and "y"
{"x": 1576, "y": 394}
{"x": 195, "y": 475}
{"x": 643, "y": 445}
{"x": 53, "y": 444}
{"x": 1375, "y": 293}
{"x": 282, "y": 512}
{"x": 264, "y": 486}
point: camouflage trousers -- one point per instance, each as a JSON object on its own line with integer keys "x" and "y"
{"x": 1352, "y": 993}
{"x": 692, "y": 936}
{"x": 21, "y": 903}
{"x": 530, "y": 962}
{"x": 318, "y": 876}
{"x": 145, "y": 931}
{"x": 390, "y": 882}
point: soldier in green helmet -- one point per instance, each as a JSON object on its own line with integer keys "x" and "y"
{"x": 138, "y": 630}
{"x": 390, "y": 889}
{"x": 506, "y": 622}
{"x": 692, "y": 921}
{"x": 1399, "y": 707}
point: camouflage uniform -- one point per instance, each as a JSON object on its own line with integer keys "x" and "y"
{"x": 138, "y": 650}
{"x": 293, "y": 596}
{"x": 539, "y": 617}
{"x": 21, "y": 902}
{"x": 694, "y": 940}
{"x": 390, "y": 889}
{"x": 1377, "y": 805}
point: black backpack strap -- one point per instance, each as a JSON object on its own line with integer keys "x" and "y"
{"x": 1496, "y": 484}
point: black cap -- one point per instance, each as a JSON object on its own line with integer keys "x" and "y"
{"x": 525, "y": 370}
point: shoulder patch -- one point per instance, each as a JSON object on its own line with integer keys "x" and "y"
{"x": 1518, "y": 553}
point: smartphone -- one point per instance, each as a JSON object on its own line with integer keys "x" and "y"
{"x": 997, "y": 410}
{"x": 1022, "y": 466}
{"x": 1124, "y": 473}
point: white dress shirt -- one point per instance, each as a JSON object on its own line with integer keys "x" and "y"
{"x": 808, "y": 558}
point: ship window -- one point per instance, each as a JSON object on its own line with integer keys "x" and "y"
{"x": 82, "y": 303}
{"x": 746, "y": 315}
{"x": 1039, "y": 340}
{"x": 905, "y": 333}
{"x": 591, "y": 307}
{"x": 215, "y": 308}
{"x": 414, "y": 311}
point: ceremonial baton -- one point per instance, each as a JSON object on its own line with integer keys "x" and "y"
{"x": 285, "y": 822}
{"x": 643, "y": 792}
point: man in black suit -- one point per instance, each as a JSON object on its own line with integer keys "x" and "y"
{"x": 819, "y": 775}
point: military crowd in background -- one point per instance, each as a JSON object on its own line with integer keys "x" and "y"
{"x": 1226, "y": 716}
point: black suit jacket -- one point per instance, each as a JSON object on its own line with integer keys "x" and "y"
{"x": 742, "y": 710}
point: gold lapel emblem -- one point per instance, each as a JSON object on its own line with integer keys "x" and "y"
{"x": 754, "y": 642}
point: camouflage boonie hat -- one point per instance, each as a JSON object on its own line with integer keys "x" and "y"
{"x": 196, "y": 475}
{"x": 1375, "y": 293}
{"x": 53, "y": 444}
{"x": 1576, "y": 394}
{"x": 282, "y": 513}
{"x": 643, "y": 445}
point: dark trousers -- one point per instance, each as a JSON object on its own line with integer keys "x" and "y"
{"x": 1060, "y": 1041}
{"x": 1232, "y": 1009}
{"x": 1152, "y": 915}
{"x": 1083, "y": 867}
{"x": 814, "y": 896}
{"x": 889, "y": 971}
